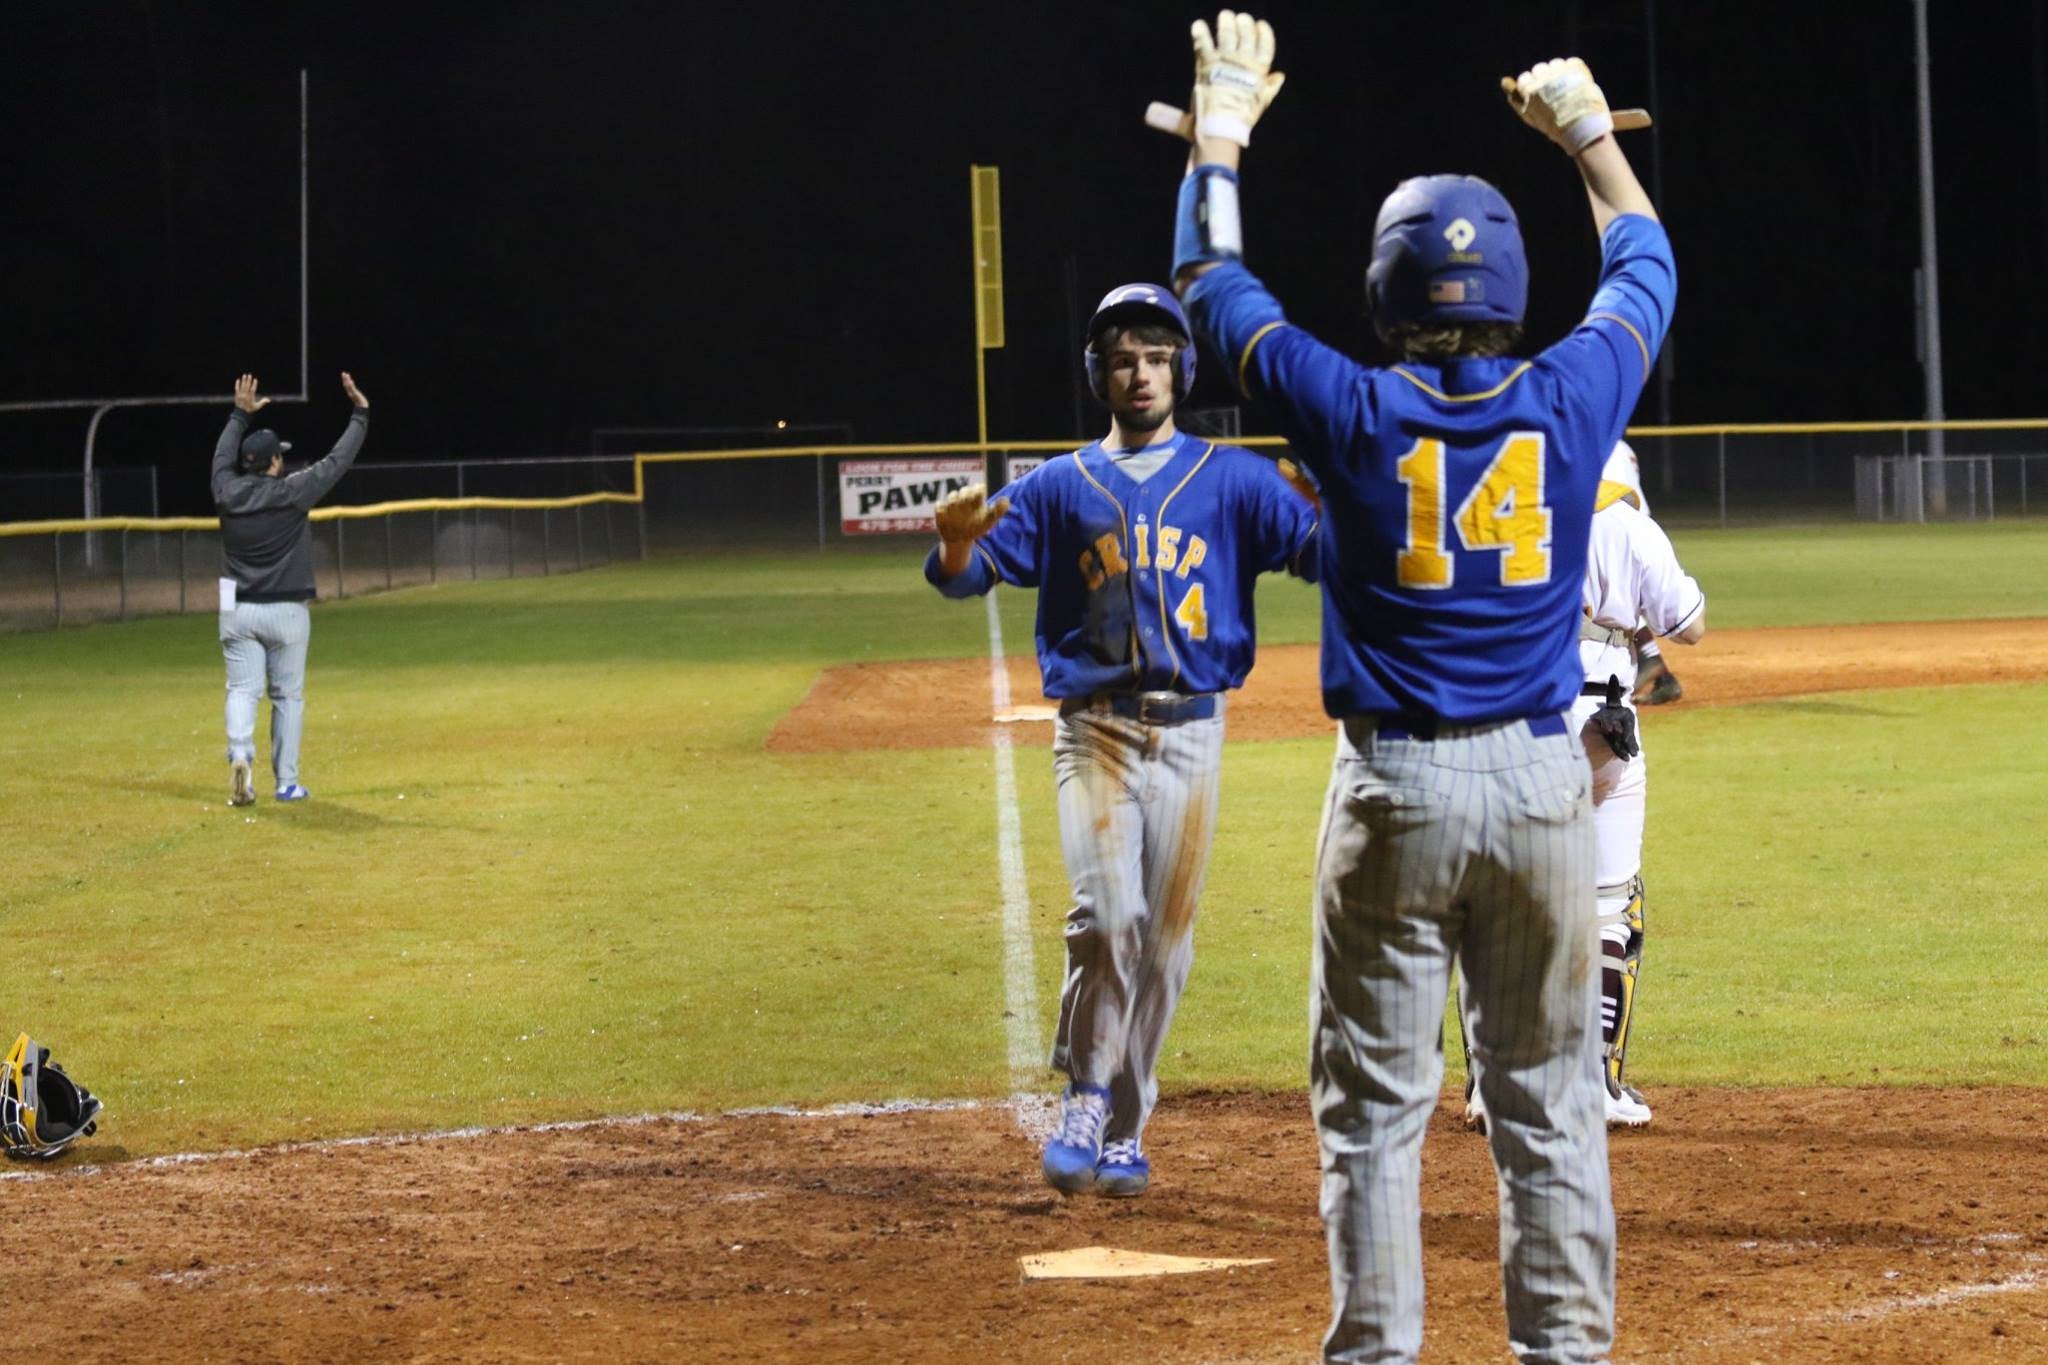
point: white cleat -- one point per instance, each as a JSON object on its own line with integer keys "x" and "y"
{"x": 1628, "y": 1109}
{"x": 242, "y": 791}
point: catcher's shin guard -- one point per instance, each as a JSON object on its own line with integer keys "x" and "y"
{"x": 1621, "y": 946}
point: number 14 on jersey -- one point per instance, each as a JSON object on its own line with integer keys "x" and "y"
{"x": 1504, "y": 512}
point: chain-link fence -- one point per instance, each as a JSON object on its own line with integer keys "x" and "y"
{"x": 1747, "y": 477}
{"x": 487, "y": 519}
{"x": 174, "y": 565}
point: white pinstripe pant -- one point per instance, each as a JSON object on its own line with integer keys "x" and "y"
{"x": 1137, "y": 807}
{"x": 1478, "y": 848}
{"x": 265, "y": 647}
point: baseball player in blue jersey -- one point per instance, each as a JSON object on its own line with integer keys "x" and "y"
{"x": 1458, "y": 489}
{"x": 1143, "y": 547}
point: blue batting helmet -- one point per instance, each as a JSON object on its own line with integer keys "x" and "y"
{"x": 1131, "y": 305}
{"x": 1446, "y": 249}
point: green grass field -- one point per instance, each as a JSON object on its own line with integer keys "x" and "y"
{"x": 550, "y": 871}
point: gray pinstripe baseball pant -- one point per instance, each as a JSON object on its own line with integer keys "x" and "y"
{"x": 1475, "y": 848}
{"x": 1137, "y": 807}
{"x": 265, "y": 647}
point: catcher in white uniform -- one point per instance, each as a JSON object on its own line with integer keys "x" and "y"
{"x": 1633, "y": 579}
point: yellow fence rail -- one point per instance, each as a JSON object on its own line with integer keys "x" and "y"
{"x": 641, "y": 461}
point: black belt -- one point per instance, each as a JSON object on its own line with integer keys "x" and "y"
{"x": 1425, "y": 727}
{"x": 1150, "y": 708}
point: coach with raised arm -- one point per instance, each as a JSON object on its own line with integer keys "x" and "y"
{"x": 266, "y": 548}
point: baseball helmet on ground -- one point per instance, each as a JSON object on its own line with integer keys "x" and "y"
{"x": 260, "y": 446}
{"x": 1446, "y": 250}
{"x": 1131, "y": 305}
{"x": 42, "y": 1110}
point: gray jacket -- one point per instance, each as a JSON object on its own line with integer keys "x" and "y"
{"x": 266, "y": 545}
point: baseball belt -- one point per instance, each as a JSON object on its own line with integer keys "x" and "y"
{"x": 1589, "y": 629}
{"x": 1149, "y": 708}
{"x": 1426, "y": 728}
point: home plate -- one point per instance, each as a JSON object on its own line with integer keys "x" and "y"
{"x": 1110, "y": 1263}
{"x": 1026, "y": 712}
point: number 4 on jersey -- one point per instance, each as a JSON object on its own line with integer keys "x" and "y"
{"x": 1504, "y": 511}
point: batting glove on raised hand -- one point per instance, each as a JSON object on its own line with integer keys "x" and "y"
{"x": 1559, "y": 100}
{"x": 1234, "y": 76}
{"x": 965, "y": 515}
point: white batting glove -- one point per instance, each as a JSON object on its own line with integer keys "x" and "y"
{"x": 965, "y": 515}
{"x": 1234, "y": 76}
{"x": 1559, "y": 100}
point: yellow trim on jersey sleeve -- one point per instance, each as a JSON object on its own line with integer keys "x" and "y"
{"x": 1628, "y": 327}
{"x": 1610, "y": 492}
{"x": 1246, "y": 359}
{"x": 1443, "y": 397}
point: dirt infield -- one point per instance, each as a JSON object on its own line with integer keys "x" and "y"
{"x": 1816, "y": 1226}
{"x": 944, "y": 704}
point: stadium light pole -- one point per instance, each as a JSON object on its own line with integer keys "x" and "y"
{"x": 1933, "y": 488}
{"x": 1667, "y": 358}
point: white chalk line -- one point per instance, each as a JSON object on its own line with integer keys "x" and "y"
{"x": 2019, "y": 1282}
{"x": 1941, "y": 1298}
{"x": 852, "y": 1109}
{"x": 1020, "y": 965}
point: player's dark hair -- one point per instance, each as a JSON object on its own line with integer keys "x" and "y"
{"x": 1144, "y": 333}
{"x": 1419, "y": 341}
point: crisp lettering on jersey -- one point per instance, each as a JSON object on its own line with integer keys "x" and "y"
{"x": 1422, "y": 563}
{"x": 1504, "y": 511}
{"x": 1171, "y": 557}
{"x": 1193, "y": 614}
{"x": 1103, "y": 561}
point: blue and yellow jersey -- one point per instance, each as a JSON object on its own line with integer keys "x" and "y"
{"x": 1143, "y": 586}
{"x": 1457, "y": 498}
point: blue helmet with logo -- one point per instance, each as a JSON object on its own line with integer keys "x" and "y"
{"x": 1133, "y": 305}
{"x": 1446, "y": 250}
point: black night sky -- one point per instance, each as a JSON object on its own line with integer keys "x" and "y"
{"x": 531, "y": 220}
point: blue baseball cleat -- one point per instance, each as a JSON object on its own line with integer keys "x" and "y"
{"x": 1071, "y": 1152}
{"x": 1123, "y": 1170}
{"x": 292, "y": 792}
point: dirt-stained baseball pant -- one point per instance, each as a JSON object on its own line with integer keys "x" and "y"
{"x": 1137, "y": 806}
{"x": 265, "y": 647}
{"x": 1474, "y": 848}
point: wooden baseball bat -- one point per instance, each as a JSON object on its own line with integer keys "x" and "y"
{"x": 1181, "y": 124}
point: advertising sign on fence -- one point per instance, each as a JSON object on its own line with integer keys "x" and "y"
{"x": 877, "y": 497}
{"x": 1020, "y": 465}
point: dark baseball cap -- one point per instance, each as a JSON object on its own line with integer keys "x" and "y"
{"x": 261, "y": 445}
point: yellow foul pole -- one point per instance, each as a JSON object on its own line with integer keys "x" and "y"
{"x": 985, "y": 187}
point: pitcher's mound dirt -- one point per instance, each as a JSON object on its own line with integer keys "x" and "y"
{"x": 1810, "y": 1226}
{"x": 943, "y": 704}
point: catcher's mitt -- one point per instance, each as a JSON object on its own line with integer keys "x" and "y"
{"x": 1617, "y": 724}
{"x": 42, "y": 1110}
